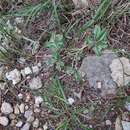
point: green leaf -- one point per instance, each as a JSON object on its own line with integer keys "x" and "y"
{"x": 90, "y": 41}
{"x": 55, "y": 45}
{"x": 97, "y": 31}
{"x": 97, "y": 40}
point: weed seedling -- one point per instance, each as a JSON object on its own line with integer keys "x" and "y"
{"x": 97, "y": 40}
{"x": 55, "y": 44}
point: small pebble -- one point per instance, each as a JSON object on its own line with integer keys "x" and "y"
{"x": 35, "y": 83}
{"x": 127, "y": 106}
{"x": 26, "y": 127}
{"x": 39, "y": 64}
{"x": 2, "y": 86}
{"x": 38, "y": 100}
{"x": 19, "y": 20}
{"x": 27, "y": 71}
{"x": 14, "y": 76}
{"x": 12, "y": 116}
{"x": 6, "y": 108}
{"x": 27, "y": 98}
{"x": 108, "y": 122}
{"x": 21, "y": 107}
{"x": 13, "y": 122}
{"x": 30, "y": 119}
{"x": 26, "y": 107}
{"x": 16, "y": 110}
{"x": 45, "y": 127}
{"x": 28, "y": 114}
{"x": 71, "y": 101}
{"x": 36, "y": 110}
{"x": 21, "y": 60}
{"x": 20, "y": 96}
{"x": 35, "y": 69}
{"x": 4, "y": 120}
{"x": 19, "y": 124}
{"x": 36, "y": 123}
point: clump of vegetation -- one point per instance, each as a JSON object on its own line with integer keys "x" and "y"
{"x": 71, "y": 39}
{"x": 97, "y": 40}
{"x": 55, "y": 44}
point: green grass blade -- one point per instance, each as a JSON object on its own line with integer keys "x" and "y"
{"x": 100, "y": 13}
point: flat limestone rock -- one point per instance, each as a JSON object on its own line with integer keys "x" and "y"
{"x": 96, "y": 70}
{"x": 120, "y": 68}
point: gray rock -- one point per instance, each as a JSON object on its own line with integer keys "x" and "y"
{"x": 16, "y": 109}
{"x": 30, "y": 119}
{"x": 38, "y": 100}
{"x": 126, "y": 125}
{"x": 6, "y": 108}
{"x": 28, "y": 114}
{"x": 22, "y": 107}
{"x": 27, "y": 70}
{"x": 14, "y": 76}
{"x": 4, "y": 120}
{"x": 19, "y": 124}
{"x": 19, "y": 20}
{"x": 36, "y": 123}
{"x": 20, "y": 96}
{"x": 26, "y": 127}
{"x": 13, "y": 123}
{"x": 96, "y": 69}
{"x": 36, "y": 110}
{"x": 35, "y": 69}
{"x": 35, "y": 83}
{"x": 120, "y": 68}
{"x": 26, "y": 107}
{"x": 108, "y": 122}
{"x": 2, "y": 86}
{"x": 45, "y": 126}
{"x": 127, "y": 106}
{"x": 12, "y": 116}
